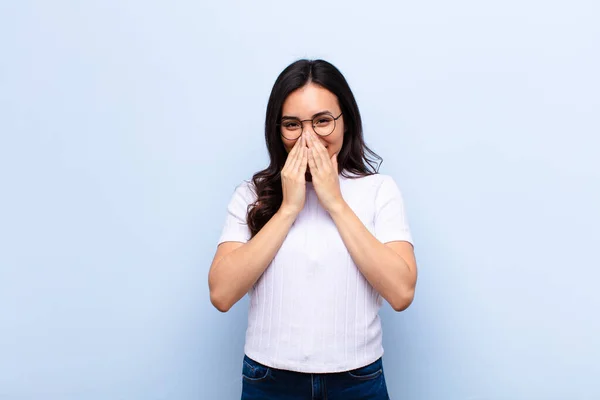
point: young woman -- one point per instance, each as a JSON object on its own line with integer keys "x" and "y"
{"x": 317, "y": 239}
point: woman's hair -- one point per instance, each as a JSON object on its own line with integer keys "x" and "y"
{"x": 355, "y": 159}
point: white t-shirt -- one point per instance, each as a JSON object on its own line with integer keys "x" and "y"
{"x": 312, "y": 310}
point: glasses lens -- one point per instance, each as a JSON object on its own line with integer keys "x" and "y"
{"x": 291, "y": 129}
{"x": 324, "y": 125}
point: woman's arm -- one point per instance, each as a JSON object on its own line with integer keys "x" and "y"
{"x": 390, "y": 268}
{"x": 237, "y": 266}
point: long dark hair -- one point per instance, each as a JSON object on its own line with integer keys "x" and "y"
{"x": 355, "y": 159}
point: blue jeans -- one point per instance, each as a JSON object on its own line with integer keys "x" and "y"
{"x": 260, "y": 382}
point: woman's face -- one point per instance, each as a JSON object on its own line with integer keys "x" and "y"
{"x": 306, "y": 103}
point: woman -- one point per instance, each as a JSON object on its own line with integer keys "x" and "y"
{"x": 317, "y": 239}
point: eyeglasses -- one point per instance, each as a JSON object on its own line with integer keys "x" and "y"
{"x": 323, "y": 125}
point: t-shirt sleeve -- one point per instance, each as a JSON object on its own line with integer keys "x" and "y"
{"x": 391, "y": 223}
{"x": 236, "y": 228}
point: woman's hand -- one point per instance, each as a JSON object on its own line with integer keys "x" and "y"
{"x": 324, "y": 171}
{"x": 293, "y": 181}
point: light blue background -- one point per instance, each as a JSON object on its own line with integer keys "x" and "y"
{"x": 125, "y": 126}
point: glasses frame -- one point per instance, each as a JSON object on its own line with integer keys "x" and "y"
{"x": 312, "y": 120}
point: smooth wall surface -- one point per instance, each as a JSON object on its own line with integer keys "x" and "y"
{"x": 125, "y": 126}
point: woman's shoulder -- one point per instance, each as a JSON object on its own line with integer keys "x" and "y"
{"x": 246, "y": 189}
{"x": 245, "y": 184}
{"x": 375, "y": 186}
{"x": 372, "y": 180}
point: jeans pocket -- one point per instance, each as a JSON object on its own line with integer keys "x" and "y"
{"x": 254, "y": 371}
{"x": 368, "y": 372}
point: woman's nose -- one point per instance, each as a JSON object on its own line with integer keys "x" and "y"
{"x": 314, "y": 134}
{"x": 307, "y": 126}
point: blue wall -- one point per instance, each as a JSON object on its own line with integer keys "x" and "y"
{"x": 119, "y": 151}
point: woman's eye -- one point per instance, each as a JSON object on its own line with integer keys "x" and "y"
{"x": 322, "y": 121}
{"x": 291, "y": 125}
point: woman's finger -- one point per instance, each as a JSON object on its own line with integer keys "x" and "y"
{"x": 317, "y": 155}
{"x": 311, "y": 162}
{"x": 319, "y": 147}
{"x": 291, "y": 158}
{"x": 334, "y": 163}
{"x": 298, "y": 154}
{"x": 303, "y": 161}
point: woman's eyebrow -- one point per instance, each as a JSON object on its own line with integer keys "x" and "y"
{"x": 314, "y": 115}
